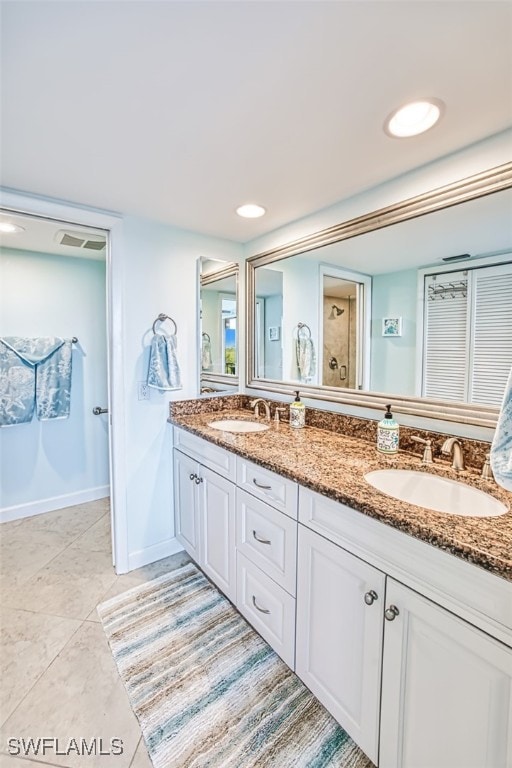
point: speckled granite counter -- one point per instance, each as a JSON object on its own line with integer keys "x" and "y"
{"x": 334, "y": 465}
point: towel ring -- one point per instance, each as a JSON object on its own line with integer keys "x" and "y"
{"x": 300, "y": 326}
{"x": 161, "y": 317}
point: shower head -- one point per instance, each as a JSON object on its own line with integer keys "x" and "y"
{"x": 335, "y": 312}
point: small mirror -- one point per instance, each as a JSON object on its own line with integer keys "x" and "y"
{"x": 218, "y": 311}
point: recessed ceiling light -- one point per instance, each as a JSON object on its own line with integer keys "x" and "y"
{"x": 414, "y": 118}
{"x": 251, "y": 211}
{"x": 10, "y": 229}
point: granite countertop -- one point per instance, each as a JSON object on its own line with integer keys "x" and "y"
{"x": 334, "y": 465}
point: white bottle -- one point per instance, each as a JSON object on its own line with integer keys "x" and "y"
{"x": 388, "y": 433}
{"x": 297, "y": 412}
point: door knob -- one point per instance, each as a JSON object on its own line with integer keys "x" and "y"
{"x": 99, "y": 410}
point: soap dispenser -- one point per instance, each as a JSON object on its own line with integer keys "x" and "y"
{"x": 387, "y": 433}
{"x": 297, "y": 412}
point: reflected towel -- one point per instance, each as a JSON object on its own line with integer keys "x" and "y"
{"x": 305, "y": 357}
{"x": 501, "y": 448}
{"x": 34, "y": 373}
{"x": 206, "y": 355}
{"x": 164, "y": 370}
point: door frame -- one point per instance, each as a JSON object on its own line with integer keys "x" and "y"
{"x": 32, "y": 205}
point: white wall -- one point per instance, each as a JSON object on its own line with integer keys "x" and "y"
{"x": 159, "y": 275}
{"x": 393, "y": 360}
{"x": 53, "y": 464}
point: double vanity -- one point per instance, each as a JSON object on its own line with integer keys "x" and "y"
{"x": 398, "y": 618}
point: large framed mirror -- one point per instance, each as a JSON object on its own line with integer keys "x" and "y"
{"x": 218, "y": 326}
{"x": 410, "y": 304}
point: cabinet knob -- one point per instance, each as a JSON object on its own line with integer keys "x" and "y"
{"x": 193, "y": 476}
{"x": 370, "y": 597}
{"x": 261, "y": 610}
{"x": 198, "y": 480}
{"x": 391, "y": 613}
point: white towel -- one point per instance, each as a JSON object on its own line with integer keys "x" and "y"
{"x": 305, "y": 357}
{"x": 164, "y": 370}
{"x": 501, "y": 448}
{"x": 206, "y": 355}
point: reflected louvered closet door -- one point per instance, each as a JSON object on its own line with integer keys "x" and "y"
{"x": 492, "y": 334}
{"x": 446, "y": 332}
{"x": 467, "y": 351}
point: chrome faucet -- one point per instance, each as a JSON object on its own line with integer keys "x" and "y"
{"x": 256, "y": 405}
{"x": 453, "y": 445}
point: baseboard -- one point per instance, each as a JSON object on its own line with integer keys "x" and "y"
{"x": 151, "y": 554}
{"x": 19, "y": 511}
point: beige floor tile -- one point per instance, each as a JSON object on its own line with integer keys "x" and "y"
{"x": 69, "y": 522}
{"x": 141, "y": 757}
{"x": 154, "y": 570}
{"x": 10, "y": 761}
{"x": 29, "y": 642}
{"x": 80, "y": 696}
{"x": 23, "y": 554}
{"x": 70, "y": 595}
{"x": 97, "y": 538}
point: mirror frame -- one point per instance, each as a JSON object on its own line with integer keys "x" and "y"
{"x": 484, "y": 183}
{"x": 229, "y": 379}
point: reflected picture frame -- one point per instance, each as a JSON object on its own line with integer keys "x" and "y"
{"x": 391, "y": 326}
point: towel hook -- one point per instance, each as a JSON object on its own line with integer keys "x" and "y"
{"x": 206, "y": 336}
{"x": 161, "y": 317}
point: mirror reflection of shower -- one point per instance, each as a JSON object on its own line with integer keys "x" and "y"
{"x": 335, "y": 312}
{"x": 339, "y": 332}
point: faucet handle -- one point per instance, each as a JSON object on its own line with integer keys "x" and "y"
{"x": 427, "y": 453}
{"x": 277, "y": 412}
{"x": 487, "y": 472}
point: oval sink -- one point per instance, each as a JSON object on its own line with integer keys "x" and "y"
{"x": 238, "y": 425}
{"x": 436, "y": 493}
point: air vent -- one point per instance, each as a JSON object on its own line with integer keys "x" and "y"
{"x": 81, "y": 240}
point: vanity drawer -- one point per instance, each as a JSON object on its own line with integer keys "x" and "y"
{"x": 268, "y": 486}
{"x": 266, "y": 606}
{"x": 210, "y": 455}
{"x": 267, "y": 538}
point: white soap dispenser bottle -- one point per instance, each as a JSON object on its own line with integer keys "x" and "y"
{"x": 297, "y": 412}
{"x": 387, "y": 433}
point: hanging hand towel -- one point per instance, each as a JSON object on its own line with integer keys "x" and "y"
{"x": 206, "y": 354}
{"x": 305, "y": 355}
{"x": 501, "y": 448}
{"x": 164, "y": 370}
{"x": 34, "y": 372}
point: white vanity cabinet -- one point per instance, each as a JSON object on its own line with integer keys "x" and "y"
{"x": 339, "y": 635}
{"x": 266, "y": 544}
{"x": 443, "y": 698}
{"x": 205, "y": 510}
{"x": 446, "y": 689}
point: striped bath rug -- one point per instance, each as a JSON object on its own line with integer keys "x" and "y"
{"x": 207, "y": 689}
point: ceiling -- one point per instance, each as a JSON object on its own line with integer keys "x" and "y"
{"x": 181, "y": 111}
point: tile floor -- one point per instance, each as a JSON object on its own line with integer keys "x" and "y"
{"x": 58, "y": 678}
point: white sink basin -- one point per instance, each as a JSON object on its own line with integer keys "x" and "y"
{"x": 436, "y": 493}
{"x": 236, "y": 425}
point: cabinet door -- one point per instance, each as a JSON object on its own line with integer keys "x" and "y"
{"x": 186, "y": 513}
{"x": 217, "y": 505}
{"x": 339, "y": 635}
{"x": 446, "y": 690}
